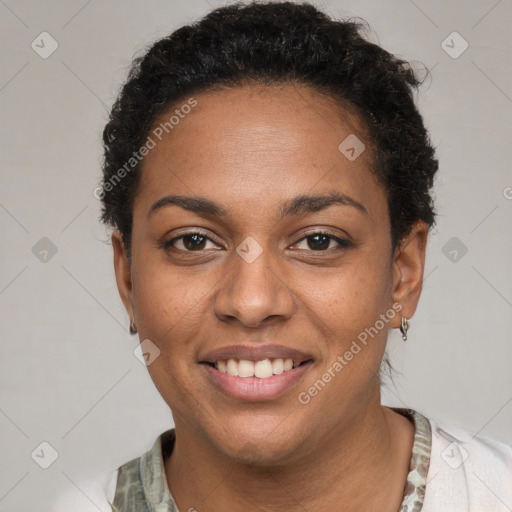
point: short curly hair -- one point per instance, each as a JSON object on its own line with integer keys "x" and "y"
{"x": 270, "y": 43}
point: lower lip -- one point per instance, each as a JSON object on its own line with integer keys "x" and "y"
{"x": 253, "y": 389}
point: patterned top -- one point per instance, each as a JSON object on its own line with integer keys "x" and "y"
{"x": 142, "y": 483}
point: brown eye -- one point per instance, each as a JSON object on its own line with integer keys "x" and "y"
{"x": 320, "y": 241}
{"x": 190, "y": 242}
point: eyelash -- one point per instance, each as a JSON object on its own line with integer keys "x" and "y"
{"x": 342, "y": 243}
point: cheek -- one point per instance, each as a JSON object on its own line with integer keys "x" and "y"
{"x": 170, "y": 307}
{"x": 345, "y": 306}
{"x": 347, "y": 299}
{"x": 167, "y": 300}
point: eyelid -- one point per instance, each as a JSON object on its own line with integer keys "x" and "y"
{"x": 192, "y": 231}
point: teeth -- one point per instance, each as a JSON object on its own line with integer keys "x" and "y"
{"x": 245, "y": 368}
{"x": 232, "y": 367}
{"x": 261, "y": 369}
{"x": 277, "y": 366}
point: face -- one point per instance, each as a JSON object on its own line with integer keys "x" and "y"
{"x": 278, "y": 248}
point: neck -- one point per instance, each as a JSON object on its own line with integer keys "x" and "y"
{"x": 374, "y": 453}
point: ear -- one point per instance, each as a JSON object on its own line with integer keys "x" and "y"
{"x": 123, "y": 272}
{"x": 408, "y": 267}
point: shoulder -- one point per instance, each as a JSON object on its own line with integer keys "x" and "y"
{"x": 467, "y": 472}
{"x": 125, "y": 486}
{"x": 89, "y": 495}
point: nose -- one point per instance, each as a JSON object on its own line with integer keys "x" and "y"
{"x": 254, "y": 293}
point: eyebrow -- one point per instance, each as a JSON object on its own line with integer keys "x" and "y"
{"x": 299, "y": 205}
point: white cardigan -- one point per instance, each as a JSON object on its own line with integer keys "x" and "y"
{"x": 466, "y": 474}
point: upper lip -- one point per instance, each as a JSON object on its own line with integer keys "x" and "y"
{"x": 255, "y": 353}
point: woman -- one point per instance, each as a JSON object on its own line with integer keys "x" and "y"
{"x": 268, "y": 178}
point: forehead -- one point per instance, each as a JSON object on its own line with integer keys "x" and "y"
{"x": 285, "y": 117}
{"x": 258, "y": 142}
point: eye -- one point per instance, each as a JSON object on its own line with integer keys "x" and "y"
{"x": 192, "y": 241}
{"x": 321, "y": 241}
{"x": 196, "y": 241}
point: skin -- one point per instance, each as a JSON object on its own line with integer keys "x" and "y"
{"x": 250, "y": 149}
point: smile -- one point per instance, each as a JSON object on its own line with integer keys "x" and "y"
{"x": 251, "y": 381}
{"x": 263, "y": 369}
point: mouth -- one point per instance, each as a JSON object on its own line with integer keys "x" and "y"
{"x": 260, "y": 380}
{"x": 255, "y": 373}
{"x": 261, "y": 369}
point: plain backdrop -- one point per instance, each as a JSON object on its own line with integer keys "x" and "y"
{"x": 68, "y": 374}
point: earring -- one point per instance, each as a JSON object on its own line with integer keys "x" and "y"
{"x": 133, "y": 328}
{"x": 404, "y": 326}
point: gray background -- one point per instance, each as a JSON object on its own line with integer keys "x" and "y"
{"x": 68, "y": 374}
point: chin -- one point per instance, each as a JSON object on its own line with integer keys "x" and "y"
{"x": 258, "y": 439}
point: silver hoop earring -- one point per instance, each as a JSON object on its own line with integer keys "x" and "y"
{"x": 133, "y": 328}
{"x": 404, "y": 326}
